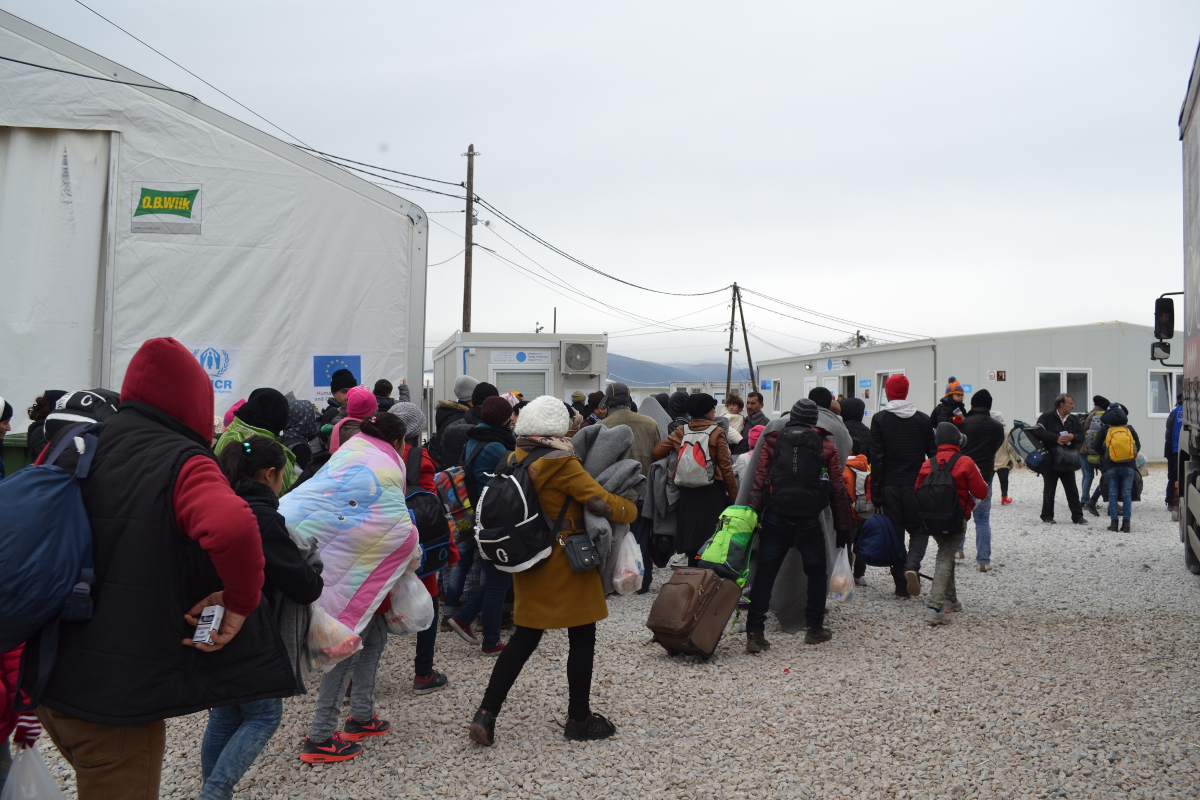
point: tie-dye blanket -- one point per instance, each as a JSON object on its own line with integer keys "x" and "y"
{"x": 354, "y": 508}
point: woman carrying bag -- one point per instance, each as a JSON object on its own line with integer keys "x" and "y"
{"x": 552, "y": 595}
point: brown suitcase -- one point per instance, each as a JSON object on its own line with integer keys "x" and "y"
{"x": 692, "y": 610}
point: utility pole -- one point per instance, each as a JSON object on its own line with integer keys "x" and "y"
{"x": 746, "y": 339}
{"x": 556, "y": 319}
{"x": 729, "y": 363}
{"x": 858, "y": 338}
{"x": 470, "y": 154}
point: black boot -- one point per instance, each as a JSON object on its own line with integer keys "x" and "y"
{"x": 483, "y": 728}
{"x": 1112, "y": 526}
{"x": 1125, "y": 526}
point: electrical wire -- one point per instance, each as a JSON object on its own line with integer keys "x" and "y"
{"x": 189, "y": 72}
{"x": 798, "y": 319}
{"x": 831, "y": 317}
{"x": 390, "y": 181}
{"x": 381, "y": 169}
{"x": 771, "y": 344}
{"x": 451, "y": 258}
{"x": 98, "y": 78}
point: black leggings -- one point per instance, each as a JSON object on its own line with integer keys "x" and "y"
{"x": 1002, "y": 474}
{"x": 582, "y": 652}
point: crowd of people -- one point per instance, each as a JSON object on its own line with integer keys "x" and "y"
{"x": 289, "y": 517}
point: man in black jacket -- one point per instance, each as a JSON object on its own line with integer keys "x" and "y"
{"x": 984, "y": 437}
{"x": 1060, "y": 428}
{"x": 754, "y": 411}
{"x": 454, "y": 437}
{"x": 901, "y": 440}
{"x": 853, "y": 411}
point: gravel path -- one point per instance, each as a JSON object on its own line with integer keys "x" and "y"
{"x": 1071, "y": 673}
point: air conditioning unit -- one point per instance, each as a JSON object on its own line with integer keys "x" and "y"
{"x": 583, "y": 358}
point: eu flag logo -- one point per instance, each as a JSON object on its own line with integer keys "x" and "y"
{"x": 325, "y": 366}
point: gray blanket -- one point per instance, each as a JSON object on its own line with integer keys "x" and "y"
{"x": 662, "y": 497}
{"x": 604, "y": 452}
{"x": 293, "y": 618}
{"x": 654, "y": 410}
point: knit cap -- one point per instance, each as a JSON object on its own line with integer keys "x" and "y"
{"x": 544, "y": 416}
{"x": 361, "y": 402}
{"x": 578, "y": 397}
{"x": 1100, "y": 401}
{"x": 463, "y": 386}
{"x": 412, "y": 417}
{"x": 952, "y": 387}
{"x": 804, "y": 412}
{"x": 948, "y": 433}
{"x": 896, "y": 387}
{"x": 981, "y": 399}
{"x": 483, "y": 391}
{"x": 342, "y": 379}
{"x": 755, "y": 432}
{"x": 698, "y": 405}
{"x": 496, "y": 412}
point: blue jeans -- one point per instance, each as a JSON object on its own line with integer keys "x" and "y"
{"x": 1120, "y": 489}
{"x": 488, "y": 599}
{"x": 233, "y": 739}
{"x": 456, "y": 576}
{"x": 780, "y": 534}
{"x": 983, "y": 529}
{"x": 1089, "y": 473}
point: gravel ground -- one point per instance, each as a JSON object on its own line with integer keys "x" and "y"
{"x": 1072, "y": 672}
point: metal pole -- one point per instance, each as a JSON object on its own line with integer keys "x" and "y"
{"x": 470, "y": 154}
{"x": 746, "y": 339}
{"x": 729, "y": 362}
{"x": 556, "y": 319}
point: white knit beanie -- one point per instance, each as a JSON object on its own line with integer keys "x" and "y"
{"x": 544, "y": 416}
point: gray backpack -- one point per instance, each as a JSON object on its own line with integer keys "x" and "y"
{"x": 695, "y": 467}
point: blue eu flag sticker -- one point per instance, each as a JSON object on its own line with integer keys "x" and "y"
{"x": 325, "y": 366}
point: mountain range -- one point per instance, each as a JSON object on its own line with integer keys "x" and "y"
{"x": 635, "y": 372}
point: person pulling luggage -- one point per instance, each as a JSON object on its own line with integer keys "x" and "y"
{"x": 798, "y": 475}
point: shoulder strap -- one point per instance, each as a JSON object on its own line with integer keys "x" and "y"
{"x": 474, "y": 454}
{"x": 89, "y": 447}
{"x": 534, "y": 455}
{"x": 950, "y": 464}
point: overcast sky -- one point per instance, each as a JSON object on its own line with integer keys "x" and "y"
{"x": 936, "y": 168}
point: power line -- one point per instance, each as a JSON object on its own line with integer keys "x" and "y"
{"x": 381, "y": 169}
{"x": 451, "y": 258}
{"x": 98, "y": 78}
{"x": 391, "y": 181}
{"x": 832, "y": 318}
{"x": 798, "y": 319}
{"x": 189, "y": 72}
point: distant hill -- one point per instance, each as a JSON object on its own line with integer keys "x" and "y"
{"x": 636, "y": 372}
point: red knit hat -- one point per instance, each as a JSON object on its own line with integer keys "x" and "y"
{"x": 495, "y": 412}
{"x": 896, "y": 387}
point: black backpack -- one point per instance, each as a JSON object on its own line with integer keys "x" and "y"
{"x": 434, "y": 524}
{"x": 511, "y": 529}
{"x": 798, "y": 483}
{"x": 937, "y": 500}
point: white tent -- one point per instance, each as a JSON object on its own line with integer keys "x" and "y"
{"x": 132, "y": 212}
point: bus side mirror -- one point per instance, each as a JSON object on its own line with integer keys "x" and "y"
{"x": 1160, "y": 351}
{"x": 1164, "y": 318}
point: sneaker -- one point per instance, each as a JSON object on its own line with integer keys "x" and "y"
{"x": 902, "y": 593}
{"x": 430, "y": 683}
{"x": 494, "y": 650}
{"x": 960, "y": 555}
{"x": 1005, "y": 500}
{"x": 463, "y": 631}
{"x": 985, "y": 567}
{"x": 860, "y": 581}
{"x": 483, "y": 728}
{"x": 937, "y": 616}
{"x": 817, "y": 635}
{"x": 356, "y": 731}
{"x": 444, "y": 625}
{"x": 1091, "y": 507}
{"x": 1175, "y": 514}
{"x": 954, "y": 607}
{"x": 1078, "y": 521}
{"x": 335, "y": 748}
{"x": 590, "y": 729}
{"x": 756, "y": 642}
{"x": 914, "y": 583}
{"x": 1112, "y": 526}
{"x": 1048, "y": 520}
{"x": 1124, "y": 526}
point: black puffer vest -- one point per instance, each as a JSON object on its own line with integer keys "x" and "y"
{"x": 127, "y": 666}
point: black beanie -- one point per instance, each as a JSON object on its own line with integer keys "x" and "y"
{"x": 698, "y": 405}
{"x": 483, "y": 391}
{"x": 804, "y": 412}
{"x": 821, "y": 396}
{"x": 1101, "y": 402}
{"x": 342, "y": 379}
{"x": 981, "y": 399}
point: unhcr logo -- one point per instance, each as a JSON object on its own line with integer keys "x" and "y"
{"x": 154, "y": 201}
{"x": 215, "y": 362}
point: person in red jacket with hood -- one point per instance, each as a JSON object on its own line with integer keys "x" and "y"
{"x": 969, "y": 483}
{"x": 170, "y": 537}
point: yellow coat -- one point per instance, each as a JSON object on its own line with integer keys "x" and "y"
{"x": 552, "y": 596}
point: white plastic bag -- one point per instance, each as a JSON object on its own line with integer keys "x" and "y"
{"x": 329, "y": 641}
{"x": 628, "y": 569}
{"x": 412, "y": 606}
{"x": 841, "y": 582}
{"x": 29, "y": 778}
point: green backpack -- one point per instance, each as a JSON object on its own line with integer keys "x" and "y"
{"x": 727, "y": 553}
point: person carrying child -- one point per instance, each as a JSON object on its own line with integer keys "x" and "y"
{"x": 947, "y": 487}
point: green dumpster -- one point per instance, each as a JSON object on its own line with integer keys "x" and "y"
{"x": 16, "y": 453}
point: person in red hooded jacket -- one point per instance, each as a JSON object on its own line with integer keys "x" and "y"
{"x": 170, "y": 537}
{"x": 969, "y": 483}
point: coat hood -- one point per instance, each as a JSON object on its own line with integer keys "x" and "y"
{"x": 858, "y": 462}
{"x": 164, "y": 374}
{"x": 1115, "y": 415}
{"x": 853, "y": 409}
{"x": 677, "y": 405}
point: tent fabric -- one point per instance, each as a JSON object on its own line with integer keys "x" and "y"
{"x": 294, "y": 259}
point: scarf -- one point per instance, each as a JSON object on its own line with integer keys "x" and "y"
{"x": 901, "y": 408}
{"x": 528, "y": 443}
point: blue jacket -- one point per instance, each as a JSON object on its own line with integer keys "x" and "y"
{"x": 1174, "y": 426}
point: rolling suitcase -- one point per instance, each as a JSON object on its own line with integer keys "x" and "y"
{"x": 691, "y": 611}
